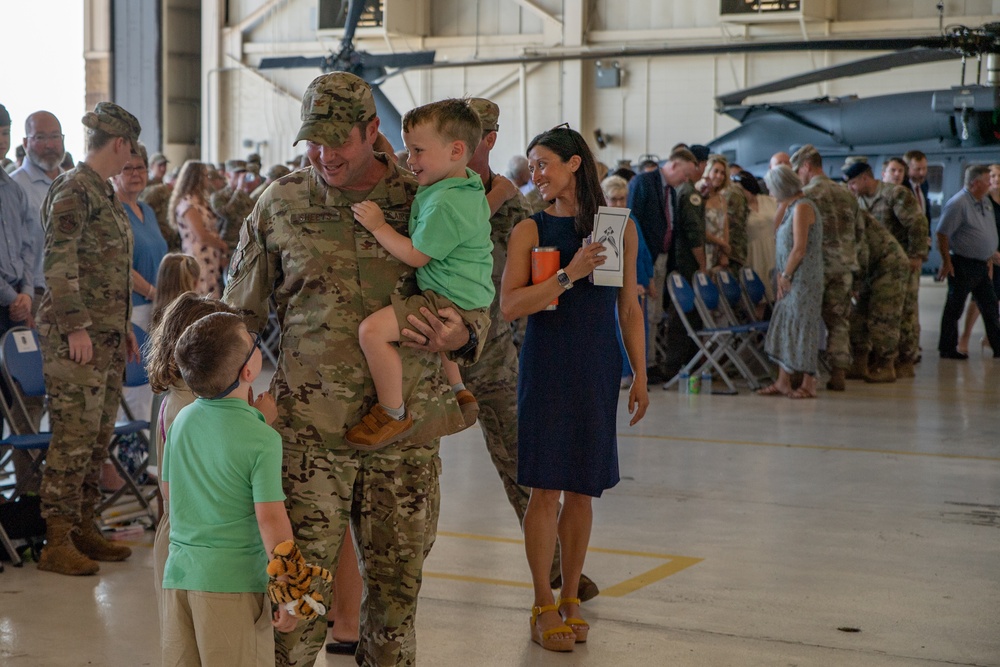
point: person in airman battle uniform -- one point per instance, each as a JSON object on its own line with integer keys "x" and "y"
{"x": 301, "y": 247}
{"x": 843, "y": 228}
{"x": 232, "y": 203}
{"x": 85, "y": 336}
{"x": 881, "y": 289}
{"x": 896, "y": 208}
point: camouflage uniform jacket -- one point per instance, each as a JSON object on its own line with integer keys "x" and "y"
{"x": 233, "y": 208}
{"x": 737, "y": 212}
{"x": 88, "y": 255}
{"x": 513, "y": 211}
{"x": 842, "y": 226}
{"x": 326, "y": 273}
{"x": 881, "y": 250}
{"x": 158, "y": 198}
{"x": 899, "y": 212}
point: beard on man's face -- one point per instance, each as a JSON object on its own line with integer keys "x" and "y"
{"x": 48, "y": 159}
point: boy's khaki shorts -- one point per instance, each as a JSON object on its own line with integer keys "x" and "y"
{"x": 216, "y": 629}
{"x": 403, "y": 306}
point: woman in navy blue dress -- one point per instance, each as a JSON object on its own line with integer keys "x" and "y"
{"x": 570, "y": 373}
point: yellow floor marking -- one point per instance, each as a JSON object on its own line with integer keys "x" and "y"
{"x": 795, "y": 445}
{"x": 673, "y": 565}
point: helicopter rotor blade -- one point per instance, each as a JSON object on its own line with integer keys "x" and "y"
{"x": 854, "y": 68}
{"x": 291, "y": 62}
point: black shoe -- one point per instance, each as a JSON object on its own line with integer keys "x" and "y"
{"x": 954, "y": 355}
{"x": 342, "y": 648}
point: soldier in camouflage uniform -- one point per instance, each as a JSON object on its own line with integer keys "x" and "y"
{"x": 85, "y": 337}
{"x": 301, "y": 247}
{"x": 232, "y": 204}
{"x": 881, "y": 289}
{"x": 737, "y": 212}
{"x": 158, "y": 198}
{"x": 493, "y": 379}
{"x": 897, "y": 209}
{"x": 843, "y": 228}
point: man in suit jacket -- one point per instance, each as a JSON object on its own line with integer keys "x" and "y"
{"x": 916, "y": 165}
{"x": 677, "y": 244}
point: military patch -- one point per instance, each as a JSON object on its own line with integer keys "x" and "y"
{"x": 695, "y": 199}
{"x": 330, "y": 216}
{"x": 68, "y": 223}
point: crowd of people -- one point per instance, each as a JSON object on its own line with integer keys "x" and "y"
{"x": 394, "y": 286}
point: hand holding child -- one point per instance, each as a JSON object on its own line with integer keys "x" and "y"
{"x": 368, "y": 214}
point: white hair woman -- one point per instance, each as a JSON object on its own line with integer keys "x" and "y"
{"x": 793, "y": 337}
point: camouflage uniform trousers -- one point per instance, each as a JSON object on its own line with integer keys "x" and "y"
{"x": 83, "y": 403}
{"x": 909, "y": 327}
{"x": 392, "y": 498}
{"x": 493, "y": 380}
{"x": 836, "y": 315}
{"x": 876, "y": 317}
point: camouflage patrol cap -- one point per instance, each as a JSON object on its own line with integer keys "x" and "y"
{"x": 332, "y": 105}
{"x": 852, "y": 159}
{"x": 253, "y": 158}
{"x": 112, "y": 119}
{"x": 4, "y": 116}
{"x": 807, "y": 153}
{"x": 158, "y": 158}
{"x": 277, "y": 171}
{"x": 235, "y": 166}
{"x": 488, "y": 112}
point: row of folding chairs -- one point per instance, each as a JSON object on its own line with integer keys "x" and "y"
{"x": 730, "y": 339}
{"x": 21, "y": 371}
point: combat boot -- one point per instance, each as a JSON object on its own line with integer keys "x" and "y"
{"x": 858, "y": 369}
{"x": 881, "y": 370}
{"x": 836, "y": 381}
{"x": 60, "y": 555}
{"x": 91, "y": 543}
{"x": 904, "y": 369}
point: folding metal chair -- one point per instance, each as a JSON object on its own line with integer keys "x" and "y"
{"x": 754, "y": 293}
{"x": 714, "y": 344}
{"x": 135, "y": 376}
{"x": 736, "y": 314}
{"x": 20, "y": 356}
{"x": 734, "y": 340}
{"x": 271, "y": 338}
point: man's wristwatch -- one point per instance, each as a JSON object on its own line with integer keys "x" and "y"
{"x": 563, "y": 279}
{"x": 470, "y": 347}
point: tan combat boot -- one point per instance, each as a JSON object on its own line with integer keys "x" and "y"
{"x": 859, "y": 368}
{"x": 881, "y": 370}
{"x": 836, "y": 381}
{"x": 91, "y": 543}
{"x": 904, "y": 369}
{"x": 60, "y": 555}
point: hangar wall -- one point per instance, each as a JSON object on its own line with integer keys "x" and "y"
{"x": 660, "y": 101}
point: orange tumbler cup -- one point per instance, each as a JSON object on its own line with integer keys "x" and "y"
{"x": 544, "y": 264}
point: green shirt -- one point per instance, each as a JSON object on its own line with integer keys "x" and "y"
{"x": 220, "y": 459}
{"x": 450, "y": 222}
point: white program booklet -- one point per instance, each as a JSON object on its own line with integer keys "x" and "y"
{"x": 609, "y": 230}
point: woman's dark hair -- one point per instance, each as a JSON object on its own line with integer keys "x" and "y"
{"x": 748, "y": 181}
{"x": 566, "y": 143}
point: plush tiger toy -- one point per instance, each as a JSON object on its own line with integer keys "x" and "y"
{"x": 293, "y": 593}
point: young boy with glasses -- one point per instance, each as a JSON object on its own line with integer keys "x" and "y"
{"x": 222, "y": 479}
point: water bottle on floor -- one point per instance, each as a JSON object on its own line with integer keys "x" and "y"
{"x": 706, "y": 383}
{"x": 683, "y": 383}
